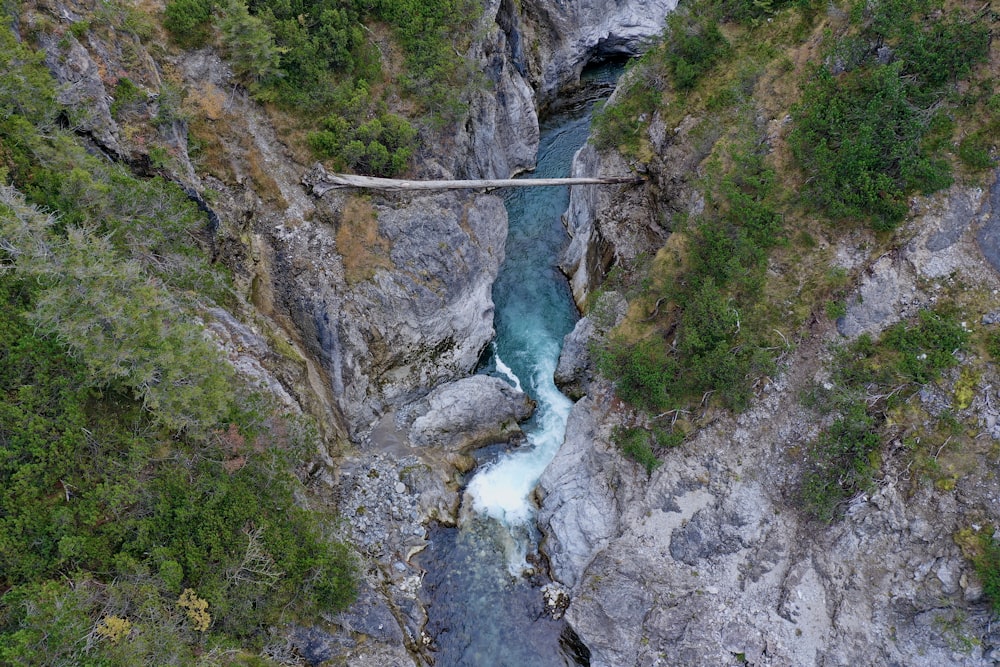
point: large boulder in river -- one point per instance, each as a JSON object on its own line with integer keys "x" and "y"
{"x": 469, "y": 413}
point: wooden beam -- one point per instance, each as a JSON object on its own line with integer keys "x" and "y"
{"x": 329, "y": 182}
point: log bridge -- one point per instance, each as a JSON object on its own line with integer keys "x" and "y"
{"x": 329, "y": 182}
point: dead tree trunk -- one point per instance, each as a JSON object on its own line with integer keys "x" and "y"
{"x": 329, "y": 182}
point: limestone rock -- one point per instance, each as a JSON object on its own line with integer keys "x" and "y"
{"x": 470, "y": 413}
{"x": 579, "y": 510}
{"x": 876, "y": 305}
{"x": 575, "y": 373}
{"x": 606, "y": 224}
{"x": 404, "y": 310}
{"x": 82, "y": 89}
{"x": 571, "y": 34}
{"x": 248, "y": 352}
{"x": 500, "y": 137}
{"x": 988, "y": 236}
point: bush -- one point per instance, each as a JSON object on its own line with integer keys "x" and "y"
{"x": 859, "y": 136}
{"x": 635, "y": 444}
{"x": 973, "y": 150}
{"x": 987, "y": 564}
{"x": 621, "y": 125}
{"x": 942, "y": 52}
{"x": 869, "y": 377}
{"x": 381, "y": 146}
{"x": 693, "y": 44}
{"x": 924, "y": 350}
{"x": 842, "y": 462}
{"x": 642, "y": 372}
{"x": 112, "y": 408}
{"x": 751, "y": 11}
{"x": 189, "y": 22}
{"x": 713, "y": 345}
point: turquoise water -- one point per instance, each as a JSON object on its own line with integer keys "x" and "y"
{"x": 534, "y": 311}
{"x": 482, "y": 587}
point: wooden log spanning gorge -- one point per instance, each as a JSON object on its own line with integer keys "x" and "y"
{"x": 329, "y": 181}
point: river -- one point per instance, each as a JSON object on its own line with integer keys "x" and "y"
{"x": 482, "y": 588}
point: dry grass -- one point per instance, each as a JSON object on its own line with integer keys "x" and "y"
{"x": 264, "y": 184}
{"x": 362, "y": 248}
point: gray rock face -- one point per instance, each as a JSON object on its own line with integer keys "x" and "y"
{"x": 707, "y": 560}
{"x": 470, "y": 413}
{"x": 574, "y": 370}
{"x": 403, "y": 310}
{"x": 500, "y": 137}
{"x": 246, "y": 351}
{"x": 711, "y": 559}
{"x": 956, "y": 225}
{"x": 606, "y": 224}
{"x": 988, "y": 236}
{"x": 877, "y": 302}
{"x": 579, "y": 505}
{"x": 572, "y": 33}
{"x": 82, "y": 89}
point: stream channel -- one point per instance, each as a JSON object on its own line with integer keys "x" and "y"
{"x": 483, "y": 584}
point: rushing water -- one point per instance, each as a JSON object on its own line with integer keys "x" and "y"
{"x": 484, "y": 604}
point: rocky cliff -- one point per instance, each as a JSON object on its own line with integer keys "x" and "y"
{"x": 709, "y": 559}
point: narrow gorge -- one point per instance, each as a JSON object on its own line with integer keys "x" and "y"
{"x": 740, "y": 410}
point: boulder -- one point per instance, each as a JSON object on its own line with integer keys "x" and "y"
{"x": 470, "y": 413}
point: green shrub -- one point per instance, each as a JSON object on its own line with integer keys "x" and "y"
{"x": 924, "y": 350}
{"x": 189, "y": 22}
{"x": 992, "y": 344}
{"x": 843, "y": 461}
{"x": 128, "y": 97}
{"x": 381, "y": 146}
{"x": 714, "y": 346}
{"x": 249, "y": 45}
{"x": 869, "y": 377}
{"x": 987, "y": 564}
{"x": 621, "y": 125}
{"x": 121, "y": 424}
{"x": 942, "y": 52}
{"x": 751, "y": 11}
{"x": 860, "y": 136}
{"x": 973, "y": 150}
{"x": 857, "y": 136}
{"x": 642, "y": 372}
{"x": 635, "y": 443}
{"x": 693, "y": 44}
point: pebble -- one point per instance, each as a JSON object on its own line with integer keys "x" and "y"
{"x": 400, "y": 487}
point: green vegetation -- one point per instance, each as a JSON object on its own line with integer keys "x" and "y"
{"x": 147, "y": 497}
{"x": 693, "y": 44}
{"x": 987, "y": 563}
{"x": 890, "y": 103}
{"x": 871, "y": 378}
{"x": 707, "y": 337}
{"x": 635, "y": 444}
{"x": 860, "y": 135}
{"x": 381, "y": 146}
{"x": 189, "y": 22}
{"x": 318, "y": 56}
